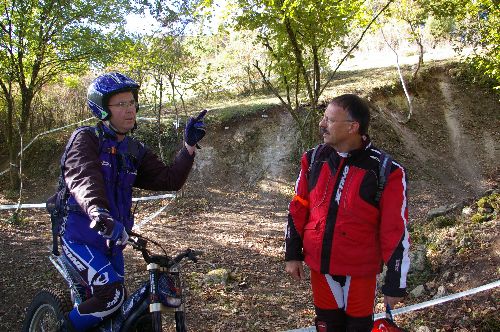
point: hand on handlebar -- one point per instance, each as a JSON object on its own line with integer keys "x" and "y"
{"x": 105, "y": 225}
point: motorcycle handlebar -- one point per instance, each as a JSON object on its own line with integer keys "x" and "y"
{"x": 140, "y": 242}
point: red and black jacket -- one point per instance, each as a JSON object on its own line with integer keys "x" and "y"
{"x": 336, "y": 225}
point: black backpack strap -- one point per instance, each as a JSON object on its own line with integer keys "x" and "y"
{"x": 63, "y": 189}
{"x": 57, "y": 203}
{"x": 383, "y": 173}
{"x": 315, "y": 159}
{"x": 136, "y": 150}
{"x": 315, "y": 152}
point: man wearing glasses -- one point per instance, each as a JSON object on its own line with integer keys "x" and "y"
{"x": 345, "y": 220}
{"x": 100, "y": 166}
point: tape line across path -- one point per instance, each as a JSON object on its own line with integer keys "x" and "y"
{"x": 422, "y": 305}
{"x": 42, "y": 205}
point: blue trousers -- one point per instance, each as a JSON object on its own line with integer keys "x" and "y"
{"x": 104, "y": 277}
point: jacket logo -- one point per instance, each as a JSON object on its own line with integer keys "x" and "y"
{"x": 397, "y": 264}
{"x": 341, "y": 185}
{"x": 105, "y": 163}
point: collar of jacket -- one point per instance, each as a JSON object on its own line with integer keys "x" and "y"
{"x": 366, "y": 144}
{"x": 106, "y": 131}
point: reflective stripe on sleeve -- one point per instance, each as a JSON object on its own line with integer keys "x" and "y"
{"x": 301, "y": 200}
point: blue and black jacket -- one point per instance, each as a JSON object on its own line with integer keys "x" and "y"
{"x": 100, "y": 172}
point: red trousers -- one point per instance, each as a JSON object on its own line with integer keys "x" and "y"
{"x": 354, "y": 295}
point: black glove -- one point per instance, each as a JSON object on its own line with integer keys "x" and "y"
{"x": 195, "y": 129}
{"x": 105, "y": 225}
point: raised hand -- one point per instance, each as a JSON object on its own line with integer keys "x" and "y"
{"x": 195, "y": 129}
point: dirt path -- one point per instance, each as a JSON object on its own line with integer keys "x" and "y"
{"x": 462, "y": 145}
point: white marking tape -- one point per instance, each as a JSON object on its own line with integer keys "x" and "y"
{"x": 22, "y": 206}
{"x": 60, "y": 128}
{"x": 422, "y": 305}
{"x": 150, "y": 198}
{"x": 138, "y": 225}
{"x": 45, "y": 133}
{"x": 42, "y": 205}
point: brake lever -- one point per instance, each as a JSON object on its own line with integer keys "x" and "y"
{"x": 193, "y": 255}
{"x": 137, "y": 242}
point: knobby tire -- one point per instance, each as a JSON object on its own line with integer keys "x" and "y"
{"x": 46, "y": 311}
{"x": 156, "y": 316}
{"x": 180, "y": 321}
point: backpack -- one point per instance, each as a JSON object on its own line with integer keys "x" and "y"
{"x": 383, "y": 171}
{"x": 57, "y": 203}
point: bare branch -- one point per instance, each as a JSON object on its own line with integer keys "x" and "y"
{"x": 408, "y": 99}
{"x": 354, "y": 46}
{"x": 270, "y": 86}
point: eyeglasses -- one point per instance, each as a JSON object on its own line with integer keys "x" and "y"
{"x": 126, "y": 104}
{"x": 326, "y": 119}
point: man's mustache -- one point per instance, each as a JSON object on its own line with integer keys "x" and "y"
{"x": 323, "y": 131}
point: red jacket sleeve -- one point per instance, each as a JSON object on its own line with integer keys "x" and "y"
{"x": 298, "y": 214}
{"x": 394, "y": 236}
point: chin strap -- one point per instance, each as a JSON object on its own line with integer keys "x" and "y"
{"x": 110, "y": 126}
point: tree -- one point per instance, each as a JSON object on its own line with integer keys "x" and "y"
{"x": 40, "y": 40}
{"x": 414, "y": 13}
{"x": 478, "y": 26}
{"x": 161, "y": 56}
{"x": 164, "y": 60}
{"x": 297, "y": 35}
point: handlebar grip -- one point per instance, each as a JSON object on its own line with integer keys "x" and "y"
{"x": 137, "y": 241}
{"x": 131, "y": 233}
{"x": 97, "y": 225}
{"x": 193, "y": 254}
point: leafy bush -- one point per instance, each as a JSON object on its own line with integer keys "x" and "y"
{"x": 444, "y": 221}
{"x": 171, "y": 138}
{"x": 479, "y": 22}
{"x": 478, "y": 218}
{"x": 488, "y": 207}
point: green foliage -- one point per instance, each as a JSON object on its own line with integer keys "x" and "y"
{"x": 461, "y": 235}
{"x": 72, "y": 81}
{"x": 487, "y": 208}
{"x": 421, "y": 277}
{"x": 171, "y": 139}
{"x": 422, "y": 233}
{"x": 490, "y": 202}
{"x": 297, "y": 35}
{"x": 441, "y": 27}
{"x": 47, "y": 151}
{"x": 419, "y": 233}
{"x": 16, "y": 218}
{"x": 478, "y": 27}
{"x": 41, "y": 40}
{"x": 444, "y": 221}
{"x": 478, "y": 218}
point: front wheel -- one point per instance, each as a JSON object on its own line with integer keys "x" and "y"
{"x": 156, "y": 319}
{"x": 180, "y": 321}
{"x": 46, "y": 311}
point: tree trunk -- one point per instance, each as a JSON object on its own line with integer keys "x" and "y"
{"x": 11, "y": 145}
{"x": 13, "y": 173}
{"x": 420, "y": 58}
{"x": 160, "y": 147}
